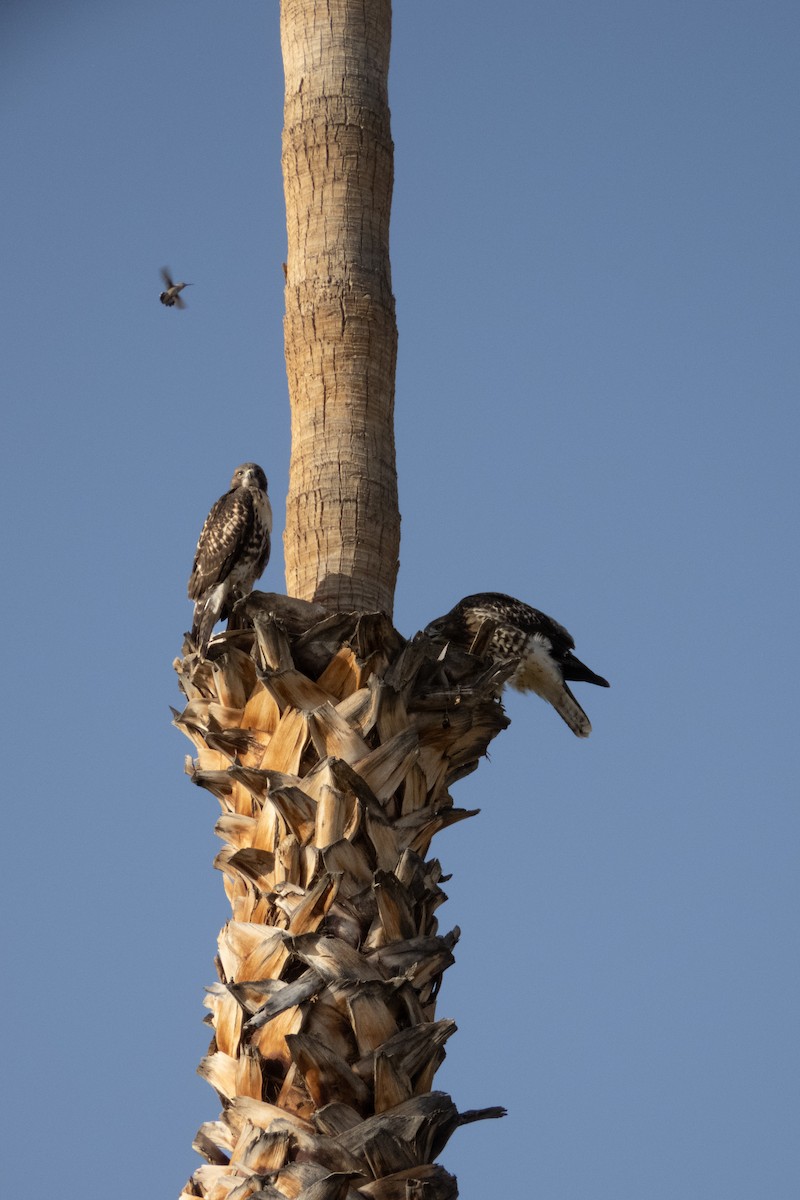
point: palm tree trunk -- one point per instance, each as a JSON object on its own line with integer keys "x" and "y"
{"x": 342, "y": 522}
{"x": 329, "y": 741}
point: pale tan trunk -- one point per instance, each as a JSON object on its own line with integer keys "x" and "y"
{"x": 329, "y": 741}
{"x": 342, "y": 523}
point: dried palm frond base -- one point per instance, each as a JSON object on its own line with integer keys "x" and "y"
{"x": 330, "y": 743}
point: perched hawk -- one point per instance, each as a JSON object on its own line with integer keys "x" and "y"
{"x": 232, "y": 552}
{"x": 511, "y": 630}
{"x": 171, "y": 296}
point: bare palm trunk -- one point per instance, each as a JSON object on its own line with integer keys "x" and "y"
{"x": 342, "y": 523}
{"x": 329, "y": 741}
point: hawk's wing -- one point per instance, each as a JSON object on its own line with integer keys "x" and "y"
{"x": 224, "y": 534}
{"x": 562, "y": 642}
{"x": 512, "y": 618}
{"x": 534, "y": 621}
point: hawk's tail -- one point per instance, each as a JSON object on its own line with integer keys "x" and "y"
{"x": 207, "y": 611}
{"x": 551, "y": 687}
{"x": 202, "y": 625}
{"x": 570, "y": 711}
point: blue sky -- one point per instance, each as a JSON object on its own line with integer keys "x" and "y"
{"x": 595, "y": 259}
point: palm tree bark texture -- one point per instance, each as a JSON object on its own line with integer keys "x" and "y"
{"x": 329, "y": 740}
{"x": 342, "y": 534}
{"x": 330, "y": 743}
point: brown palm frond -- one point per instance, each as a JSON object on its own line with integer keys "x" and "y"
{"x": 330, "y": 743}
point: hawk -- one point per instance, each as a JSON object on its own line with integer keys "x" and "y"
{"x": 171, "y": 296}
{"x": 232, "y": 552}
{"x": 511, "y": 630}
